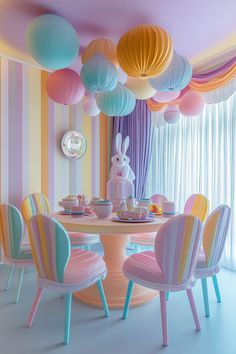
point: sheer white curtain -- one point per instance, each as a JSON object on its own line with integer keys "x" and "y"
{"x": 197, "y": 155}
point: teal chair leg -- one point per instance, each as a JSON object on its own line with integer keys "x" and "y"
{"x": 9, "y": 278}
{"x": 68, "y": 300}
{"x": 19, "y": 285}
{"x": 128, "y": 297}
{"x": 167, "y": 295}
{"x": 103, "y": 298}
{"x": 205, "y": 296}
{"x": 216, "y": 287}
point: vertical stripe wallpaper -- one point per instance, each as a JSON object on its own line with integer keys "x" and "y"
{"x": 31, "y": 127}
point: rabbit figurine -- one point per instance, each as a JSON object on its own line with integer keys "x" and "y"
{"x": 120, "y": 161}
{"x": 120, "y": 184}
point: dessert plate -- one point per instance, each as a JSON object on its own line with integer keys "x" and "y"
{"x": 147, "y": 219}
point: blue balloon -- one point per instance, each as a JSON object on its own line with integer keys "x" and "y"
{"x": 52, "y": 41}
{"x": 119, "y": 102}
{"x": 176, "y": 77}
{"x": 99, "y": 75}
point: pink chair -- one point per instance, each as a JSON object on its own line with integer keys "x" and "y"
{"x": 170, "y": 267}
{"x": 60, "y": 269}
{"x": 197, "y": 205}
{"x": 37, "y": 203}
{"x": 208, "y": 265}
{"x": 14, "y": 254}
{"x": 147, "y": 239}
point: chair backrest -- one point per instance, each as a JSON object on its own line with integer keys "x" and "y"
{"x": 214, "y": 234}
{"x": 197, "y": 205}
{"x": 176, "y": 246}
{"x": 158, "y": 199}
{"x": 50, "y": 247}
{"x": 33, "y": 204}
{"x": 11, "y": 230}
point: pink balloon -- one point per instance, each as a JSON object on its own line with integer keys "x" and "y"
{"x": 171, "y": 114}
{"x": 65, "y": 87}
{"x": 166, "y": 96}
{"x": 191, "y": 104}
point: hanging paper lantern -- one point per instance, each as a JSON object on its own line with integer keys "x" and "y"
{"x": 52, "y": 41}
{"x": 64, "y": 86}
{"x": 158, "y": 119}
{"x": 99, "y": 75}
{"x": 176, "y": 77}
{"x": 90, "y": 106}
{"x": 122, "y": 76}
{"x": 141, "y": 88}
{"x": 145, "y": 51}
{"x": 171, "y": 114}
{"x": 191, "y": 104}
{"x": 118, "y": 102}
{"x": 166, "y": 96}
{"x": 102, "y": 46}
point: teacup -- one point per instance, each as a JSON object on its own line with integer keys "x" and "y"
{"x": 139, "y": 213}
{"x": 78, "y": 209}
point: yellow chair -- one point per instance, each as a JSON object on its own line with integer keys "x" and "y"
{"x": 38, "y": 203}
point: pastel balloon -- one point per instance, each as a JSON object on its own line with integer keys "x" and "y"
{"x": 99, "y": 75}
{"x": 166, "y": 96}
{"x": 171, "y": 114}
{"x": 141, "y": 88}
{"x": 90, "y": 106}
{"x": 191, "y": 104}
{"x": 118, "y": 102}
{"x": 52, "y": 41}
{"x": 158, "y": 119}
{"x": 122, "y": 76}
{"x": 176, "y": 77}
{"x": 64, "y": 86}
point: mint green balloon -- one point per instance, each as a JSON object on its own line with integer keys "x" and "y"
{"x": 52, "y": 41}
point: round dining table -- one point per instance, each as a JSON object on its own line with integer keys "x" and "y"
{"x": 114, "y": 237}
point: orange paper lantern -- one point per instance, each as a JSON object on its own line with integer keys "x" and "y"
{"x": 145, "y": 51}
{"x": 102, "y": 46}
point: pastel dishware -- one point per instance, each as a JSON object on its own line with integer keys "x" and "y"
{"x": 168, "y": 208}
{"x": 139, "y": 212}
{"x": 68, "y": 204}
{"x": 103, "y": 209}
{"x": 130, "y": 202}
{"x": 144, "y": 202}
{"x": 78, "y": 209}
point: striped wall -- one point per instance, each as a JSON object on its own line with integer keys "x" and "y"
{"x": 31, "y": 127}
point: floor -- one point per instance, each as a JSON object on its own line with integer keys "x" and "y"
{"x": 140, "y": 333}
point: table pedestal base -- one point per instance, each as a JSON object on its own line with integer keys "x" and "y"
{"x": 115, "y": 284}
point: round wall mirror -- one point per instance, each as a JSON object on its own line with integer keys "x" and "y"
{"x": 73, "y": 144}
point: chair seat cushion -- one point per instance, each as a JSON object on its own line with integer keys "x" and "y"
{"x": 144, "y": 266}
{"x": 78, "y": 238}
{"x": 147, "y": 239}
{"x": 83, "y": 270}
{"x": 143, "y": 269}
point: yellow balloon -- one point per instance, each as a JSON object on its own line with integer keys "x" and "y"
{"x": 141, "y": 88}
{"x": 102, "y": 46}
{"x": 145, "y": 51}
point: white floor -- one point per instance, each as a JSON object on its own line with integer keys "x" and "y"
{"x": 140, "y": 333}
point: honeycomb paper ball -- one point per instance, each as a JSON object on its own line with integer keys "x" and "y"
{"x": 191, "y": 104}
{"x": 102, "y": 46}
{"x": 166, "y": 96}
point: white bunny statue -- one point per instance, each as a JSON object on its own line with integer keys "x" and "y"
{"x": 120, "y": 184}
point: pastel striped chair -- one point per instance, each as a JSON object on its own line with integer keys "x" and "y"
{"x": 147, "y": 239}
{"x": 208, "y": 265}
{"x": 14, "y": 254}
{"x": 197, "y": 205}
{"x": 60, "y": 269}
{"x": 170, "y": 267}
{"x": 37, "y": 203}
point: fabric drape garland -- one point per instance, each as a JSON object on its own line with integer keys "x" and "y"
{"x": 204, "y": 83}
{"x": 138, "y": 126}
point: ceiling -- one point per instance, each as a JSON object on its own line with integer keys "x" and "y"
{"x": 199, "y": 29}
